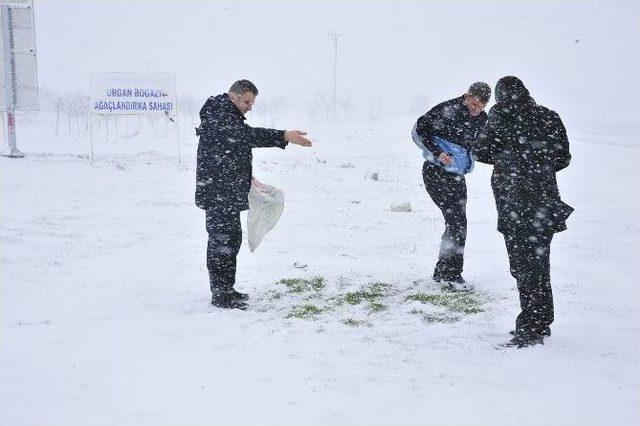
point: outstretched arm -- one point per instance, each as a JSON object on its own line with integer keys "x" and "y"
{"x": 259, "y": 137}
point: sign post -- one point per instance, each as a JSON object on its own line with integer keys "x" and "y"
{"x": 19, "y": 82}
{"x": 122, "y": 93}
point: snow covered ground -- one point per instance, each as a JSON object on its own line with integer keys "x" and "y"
{"x": 105, "y": 315}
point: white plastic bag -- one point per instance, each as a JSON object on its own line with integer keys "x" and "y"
{"x": 266, "y": 204}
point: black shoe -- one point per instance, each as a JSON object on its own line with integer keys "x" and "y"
{"x": 455, "y": 284}
{"x": 225, "y": 300}
{"x": 545, "y": 333}
{"x": 523, "y": 341}
{"x": 442, "y": 277}
{"x": 239, "y": 296}
{"x": 448, "y": 278}
{"x": 237, "y": 304}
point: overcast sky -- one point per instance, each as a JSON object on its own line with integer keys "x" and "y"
{"x": 391, "y": 50}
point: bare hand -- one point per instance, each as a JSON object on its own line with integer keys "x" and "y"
{"x": 445, "y": 159}
{"x": 296, "y": 137}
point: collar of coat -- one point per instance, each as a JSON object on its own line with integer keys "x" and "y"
{"x": 233, "y": 108}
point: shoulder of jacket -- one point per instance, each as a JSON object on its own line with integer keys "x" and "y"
{"x": 543, "y": 109}
{"x": 455, "y": 102}
{"x": 495, "y": 111}
{"x": 444, "y": 104}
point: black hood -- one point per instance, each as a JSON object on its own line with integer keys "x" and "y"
{"x": 511, "y": 90}
{"x": 222, "y": 105}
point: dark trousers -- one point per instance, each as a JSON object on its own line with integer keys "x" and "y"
{"x": 225, "y": 238}
{"x": 449, "y": 192}
{"x": 529, "y": 264}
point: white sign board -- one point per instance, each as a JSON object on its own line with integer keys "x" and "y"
{"x": 24, "y": 69}
{"x": 122, "y": 93}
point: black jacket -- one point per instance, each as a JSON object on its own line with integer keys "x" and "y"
{"x": 451, "y": 121}
{"x": 527, "y": 144}
{"x": 224, "y": 170}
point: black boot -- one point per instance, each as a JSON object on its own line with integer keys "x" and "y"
{"x": 239, "y": 296}
{"x": 453, "y": 283}
{"x": 225, "y": 300}
{"x": 523, "y": 341}
{"x": 223, "y": 295}
{"x": 546, "y": 332}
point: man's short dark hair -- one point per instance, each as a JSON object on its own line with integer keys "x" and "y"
{"x": 243, "y": 86}
{"x": 480, "y": 90}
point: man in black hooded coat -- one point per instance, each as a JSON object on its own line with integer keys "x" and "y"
{"x": 527, "y": 144}
{"x": 223, "y": 180}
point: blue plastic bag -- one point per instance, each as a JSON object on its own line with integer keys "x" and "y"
{"x": 462, "y": 160}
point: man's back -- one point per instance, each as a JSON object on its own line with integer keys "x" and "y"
{"x": 524, "y": 131}
{"x": 527, "y": 144}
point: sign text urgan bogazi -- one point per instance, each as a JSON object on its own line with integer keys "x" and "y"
{"x": 133, "y": 93}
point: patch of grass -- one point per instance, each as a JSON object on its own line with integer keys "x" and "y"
{"x": 355, "y": 323}
{"x": 370, "y": 294}
{"x": 440, "y": 318}
{"x": 465, "y": 303}
{"x": 377, "y": 307}
{"x": 354, "y": 297}
{"x": 294, "y": 285}
{"x": 446, "y": 307}
{"x": 317, "y": 283}
{"x": 301, "y": 285}
{"x": 432, "y": 317}
{"x": 379, "y": 287}
{"x": 274, "y": 295}
{"x": 305, "y": 311}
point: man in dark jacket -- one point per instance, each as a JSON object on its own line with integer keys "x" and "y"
{"x": 527, "y": 144}
{"x": 457, "y": 120}
{"x": 223, "y": 180}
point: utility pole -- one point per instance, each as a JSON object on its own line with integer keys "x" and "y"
{"x": 334, "y": 37}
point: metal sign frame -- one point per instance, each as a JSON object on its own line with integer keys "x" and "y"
{"x": 13, "y": 94}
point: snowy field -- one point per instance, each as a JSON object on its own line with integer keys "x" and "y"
{"x": 105, "y": 315}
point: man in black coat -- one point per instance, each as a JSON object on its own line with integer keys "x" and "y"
{"x": 457, "y": 120}
{"x": 223, "y": 180}
{"x": 527, "y": 144}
